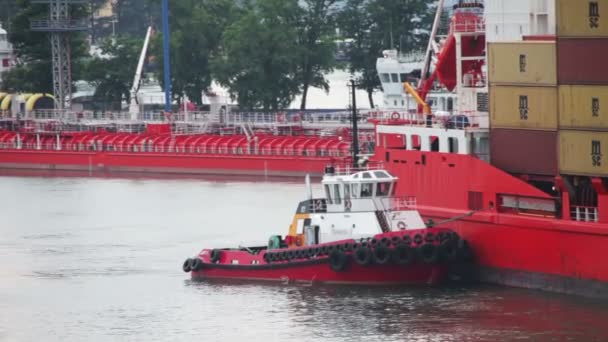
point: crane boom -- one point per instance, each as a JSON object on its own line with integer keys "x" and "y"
{"x": 429, "y": 49}
{"x": 133, "y": 105}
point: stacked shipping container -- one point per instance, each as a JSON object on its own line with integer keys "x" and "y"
{"x": 582, "y": 72}
{"x": 523, "y": 106}
{"x": 547, "y": 96}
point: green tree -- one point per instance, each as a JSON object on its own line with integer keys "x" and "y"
{"x": 196, "y": 28}
{"x": 33, "y": 50}
{"x": 376, "y": 25}
{"x": 316, "y": 35}
{"x": 260, "y": 55}
{"x": 112, "y": 74}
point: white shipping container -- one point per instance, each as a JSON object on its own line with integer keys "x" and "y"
{"x": 507, "y": 20}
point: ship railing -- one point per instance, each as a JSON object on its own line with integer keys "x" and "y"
{"x": 584, "y": 214}
{"x": 464, "y": 120}
{"x": 468, "y": 26}
{"x": 97, "y": 146}
{"x": 349, "y": 170}
{"x": 398, "y": 203}
{"x": 385, "y": 204}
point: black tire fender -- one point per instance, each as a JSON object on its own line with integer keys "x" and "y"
{"x": 215, "y": 255}
{"x": 196, "y": 264}
{"x": 404, "y": 255}
{"x": 428, "y": 253}
{"x": 186, "y": 265}
{"x": 382, "y": 255}
{"x": 363, "y": 256}
{"x": 338, "y": 261}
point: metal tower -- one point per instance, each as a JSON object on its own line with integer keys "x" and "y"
{"x": 60, "y": 26}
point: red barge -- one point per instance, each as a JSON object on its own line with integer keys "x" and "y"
{"x": 267, "y": 148}
{"x": 358, "y": 234}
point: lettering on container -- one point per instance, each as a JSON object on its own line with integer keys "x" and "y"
{"x": 595, "y": 107}
{"x": 522, "y": 63}
{"x": 596, "y": 153}
{"x": 594, "y": 14}
{"x": 523, "y": 107}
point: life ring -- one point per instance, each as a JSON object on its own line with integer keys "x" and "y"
{"x": 363, "y": 256}
{"x": 186, "y": 265}
{"x": 403, "y": 255}
{"x": 338, "y": 261}
{"x": 382, "y": 255}
{"x": 215, "y": 255}
{"x": 395, "y": 116}
{"x": 428, "y": 253}
{"x": 401, "y": 225}
{"x": 196, "y": 264}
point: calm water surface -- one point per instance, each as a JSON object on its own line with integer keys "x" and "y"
{"x": 92, "y": 259}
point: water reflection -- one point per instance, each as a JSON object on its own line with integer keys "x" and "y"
{"x": 94, "y": 259}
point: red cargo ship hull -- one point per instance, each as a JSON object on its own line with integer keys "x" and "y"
{"x": 157, "y": 162}
{"x": 512, "y": 248}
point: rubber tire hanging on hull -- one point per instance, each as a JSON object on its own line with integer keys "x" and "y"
{"x": 403, "y": 255}
{"x": 382, "y": 254}
{"x": 186, "y": 266}
{"x": 428, "y": 253}
{"x": 338, "y": 261}
{"x": 363, "y": 256}
{"x": 215, "y": 255}
{"x": 196, "y": 264}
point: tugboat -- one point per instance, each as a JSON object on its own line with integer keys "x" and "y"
{"x": 360, "y": 233}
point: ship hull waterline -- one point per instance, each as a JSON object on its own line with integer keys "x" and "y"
{"x": 164, "y": 163}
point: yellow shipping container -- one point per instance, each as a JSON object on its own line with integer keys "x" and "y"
{"x": 580, "y": 153}
{"x": 523, "y": 107}
{"x": 582, "y": 18}
{"x": 523, "y": 63}
{"x": 583, "y": 107}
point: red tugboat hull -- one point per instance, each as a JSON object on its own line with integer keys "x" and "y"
{"x": 320, "y": 272}
{"x": 422, "y": 268}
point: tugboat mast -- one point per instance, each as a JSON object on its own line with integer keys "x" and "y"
{"x": 167, "y": 65}
{"x": 355, "y": 128}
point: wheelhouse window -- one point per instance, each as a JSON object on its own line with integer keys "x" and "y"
{"x": 385, "y": 78}
{"x": 366, "y": 190}
{"x": 328, "y": 194}
{"x": 346, "y": 191}
{"x": 355, "y": 192}
{"x": 337, "y": 198}
{"x": 395, "y": 78}
{"x": 383, "y": 189}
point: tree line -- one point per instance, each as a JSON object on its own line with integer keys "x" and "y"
{"x": 265, "y": 52}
